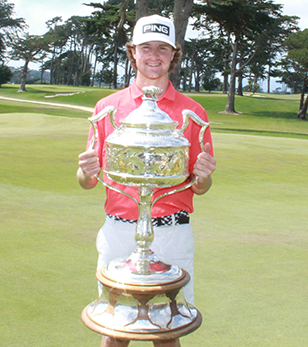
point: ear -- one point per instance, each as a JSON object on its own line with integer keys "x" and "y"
{"x": 172, "y": 54}
{"x": 133, "y": 51}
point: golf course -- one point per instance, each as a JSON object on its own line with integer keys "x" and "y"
{"x": 250, "y": 229}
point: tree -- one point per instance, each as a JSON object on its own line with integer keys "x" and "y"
{"x": 74, "y": 62}
{"x": 8, "y": 25}
{"x": 105, "y": 76}
{"x": 28, "y": 49}
{"x": 181, "y": 12}
{"x": 5, "y": 74}
{"x": 57, "y": 37}
{"x": 98, "y": 51}
{"x": 210, "y": 83}
{"x": 241, "y": 20}
{"x": 297, "y": 44}
{"x": 187, "y": 65}
{"x": 270, "y": 43}
{"x": 253, "y": 86}
{"x": 288, "y": 71}
{"x": 71, "y": 49}
{"x": 142, "y": 8}
{"x": 202, "y": 61}
{"x": 112, "y": 20}
{"x": 256, "y": 70}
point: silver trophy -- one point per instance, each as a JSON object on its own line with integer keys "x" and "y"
{"x": 142, "y": 297}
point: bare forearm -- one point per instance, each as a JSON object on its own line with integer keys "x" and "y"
{"x": 200, "y": 188}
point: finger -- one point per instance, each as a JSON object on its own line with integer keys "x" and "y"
{"x": 87, "y": 159}
{"x": 88, "y": 154}
{"x": 90, "y": 169}
{"x": 205, "y": 163}
{"x": 207, "y": 147}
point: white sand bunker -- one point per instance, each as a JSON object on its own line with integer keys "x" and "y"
{"x": 62, "y": 94}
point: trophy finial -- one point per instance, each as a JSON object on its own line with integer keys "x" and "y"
{"x": 150, "y": 92}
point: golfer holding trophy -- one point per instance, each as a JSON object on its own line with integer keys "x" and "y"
{"x": 154, "y": 148}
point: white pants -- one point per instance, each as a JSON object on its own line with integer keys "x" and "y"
{"x": 172, "y": 245}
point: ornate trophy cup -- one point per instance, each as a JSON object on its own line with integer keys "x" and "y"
{"x": 142, "y": 297}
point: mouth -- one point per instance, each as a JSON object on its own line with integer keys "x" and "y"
{"x": 153, "y": 64}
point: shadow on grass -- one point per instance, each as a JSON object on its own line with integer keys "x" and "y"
{"x": 276, "y": 114}
{"x": 303, "y": 136}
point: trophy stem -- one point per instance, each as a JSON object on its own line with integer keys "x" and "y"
{"x": 144, "y": 230}
{"x": 144, "y": 234}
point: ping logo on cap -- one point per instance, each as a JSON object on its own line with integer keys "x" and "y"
{"x": 156, "y": 28}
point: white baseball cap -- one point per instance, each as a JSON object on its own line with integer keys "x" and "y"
{"x": 154, "y": 28}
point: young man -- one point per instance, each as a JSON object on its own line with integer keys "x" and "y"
{"x": 153, "y": 54}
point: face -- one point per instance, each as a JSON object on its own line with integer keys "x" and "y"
{"x": 153, "y": 59}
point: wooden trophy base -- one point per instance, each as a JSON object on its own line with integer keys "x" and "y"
{"x": 142, "y": 312}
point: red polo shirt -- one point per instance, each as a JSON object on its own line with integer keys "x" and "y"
{"x": 173, "y": 103}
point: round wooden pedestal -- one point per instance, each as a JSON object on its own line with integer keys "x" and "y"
{"x": 142, "y": 312}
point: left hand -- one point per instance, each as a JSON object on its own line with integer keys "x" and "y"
{"x": 205, "y": 165}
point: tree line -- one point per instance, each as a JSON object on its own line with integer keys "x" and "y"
{"x": 237, "y": 39}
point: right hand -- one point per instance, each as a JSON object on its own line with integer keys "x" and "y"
{"x": 89, "y": 163}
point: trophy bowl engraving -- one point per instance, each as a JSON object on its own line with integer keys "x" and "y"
{"x": 152, "y": 166}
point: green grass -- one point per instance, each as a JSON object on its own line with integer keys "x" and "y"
{"x": 262, "y": 114}
{"x": 83, "y": 96}
{"x": 250, "y": 229}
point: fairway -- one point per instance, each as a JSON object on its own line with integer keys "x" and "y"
{"x": 250, "y": 229}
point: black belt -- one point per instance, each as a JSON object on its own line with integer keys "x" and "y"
{"x": 181, "y": 217}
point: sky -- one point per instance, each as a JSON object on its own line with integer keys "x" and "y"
{"x": 37, "y": 12}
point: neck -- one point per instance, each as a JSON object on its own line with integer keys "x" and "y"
{"x": 163, "y": 84}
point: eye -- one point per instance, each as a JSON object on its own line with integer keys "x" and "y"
{"x": 164, "y": 48}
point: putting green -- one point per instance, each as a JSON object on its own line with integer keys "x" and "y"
{"x": 30, "y": 124}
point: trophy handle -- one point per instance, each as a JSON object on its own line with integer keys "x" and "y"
{"x": 188, "y": 185}
{"x": 190, "y": 114}
{"x": 186, "y": 115}
{"x": 109, "y": 110}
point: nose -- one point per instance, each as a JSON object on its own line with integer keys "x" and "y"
{"x": 154, "y": 52}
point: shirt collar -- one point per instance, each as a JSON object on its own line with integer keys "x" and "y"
{"x": 135, "y": 91}
{"x": 170, "y": 93}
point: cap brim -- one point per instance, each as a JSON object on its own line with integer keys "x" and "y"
{"x": 150, "y": 37}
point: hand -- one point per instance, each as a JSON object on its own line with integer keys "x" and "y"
{"x": 89, "y": 163}
{"x": 205, "y": 164}
{"x": 204, "y": 167}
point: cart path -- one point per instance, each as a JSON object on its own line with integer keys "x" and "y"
{"x": 83, "y": 108}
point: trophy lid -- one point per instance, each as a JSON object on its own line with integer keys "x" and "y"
{"x": 149, "y": 115}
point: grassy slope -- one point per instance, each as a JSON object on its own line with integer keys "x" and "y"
{"x": 263, "y": 114}
{"x": 250, "y": 231}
